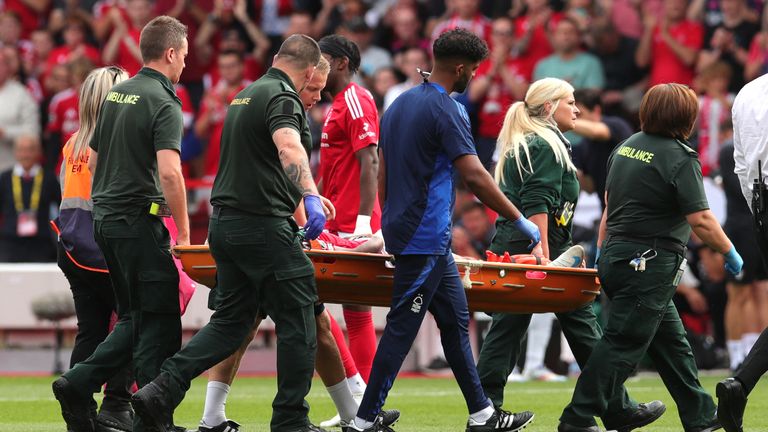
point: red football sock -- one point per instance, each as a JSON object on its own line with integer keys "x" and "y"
{"x": 350, "y": 369}
{"x": 362, "y": 340}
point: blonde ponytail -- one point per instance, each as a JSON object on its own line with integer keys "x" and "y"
{"x": 93, "y": 91}
{"x": 531, "y": 117}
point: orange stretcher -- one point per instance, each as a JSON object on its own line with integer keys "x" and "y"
{"x": 366, "y": 279}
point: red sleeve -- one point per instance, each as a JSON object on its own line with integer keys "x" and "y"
{"x": 696, "y": 36}
{"x": 93, "y": 55}
{"x": 54, "y": 119}
{"x": 483, "y": 69}
{"x": 520, "y": 26}
{"x": 362, "y": 118}
{"x": 755, "y": 54}
{"x": 186, "y": 102}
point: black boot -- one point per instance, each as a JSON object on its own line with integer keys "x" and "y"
{"x": 151, "y": 403}
{"x": 78, "y": 412}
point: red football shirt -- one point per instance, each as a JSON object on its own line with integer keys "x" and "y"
{"x": 215, "y": 104}
{"x": 666, "y": 67}
{"x": 125, "y": 58}
{"x": 64, "y": 54}
{"x": 252, "y": 70}
{"x": 351, "y": 124}
{"x": 187, "y": 110}
{"x": 63, "y": 115}
{"x": 493, "y": 107}
{"x": 30, "y": 19}
{"x": 538, "y": 46}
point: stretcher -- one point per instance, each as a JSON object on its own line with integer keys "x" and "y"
{"x": 366, "y": 279}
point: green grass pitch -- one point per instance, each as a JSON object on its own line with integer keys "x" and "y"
{"x": 428, "y": 404}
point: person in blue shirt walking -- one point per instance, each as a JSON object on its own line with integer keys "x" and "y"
{"x": 425, "y": 136}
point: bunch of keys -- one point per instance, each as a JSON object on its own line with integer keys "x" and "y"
{"x": 639, "y": 263}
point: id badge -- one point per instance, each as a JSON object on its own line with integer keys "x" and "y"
{"x": 679, "y": 273}
{"x": 26, "y": 224}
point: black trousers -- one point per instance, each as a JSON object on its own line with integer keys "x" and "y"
{"x": 756, "y": 363}
{"x": 94, "y": 304}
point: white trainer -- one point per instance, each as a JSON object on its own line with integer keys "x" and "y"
{"x": 573, "y": 257}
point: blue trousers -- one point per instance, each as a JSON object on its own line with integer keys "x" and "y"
{"x": 424, "y": 283}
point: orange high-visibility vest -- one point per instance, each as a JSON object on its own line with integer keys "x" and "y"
{"x": 75, "y": 221}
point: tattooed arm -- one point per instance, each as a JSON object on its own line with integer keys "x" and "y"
{"x": 293, "y": 157}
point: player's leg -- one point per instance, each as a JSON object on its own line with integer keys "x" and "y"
{"x": 220, "y": 378}
{"x": 539, "y": 333}
{"x": 733, "y": 322}
{"x": 330, "y": 368}
{"x": 354, "y": 380}
{"x": 359, "y": 320}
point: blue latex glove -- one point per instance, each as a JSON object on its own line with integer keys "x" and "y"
{"x": 597, "y": 257}
{"x": 315, "y": 217}
{"x": 529, "y": 229}
{"x": 733, "y": 261}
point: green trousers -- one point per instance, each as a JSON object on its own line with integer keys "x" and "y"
{"x": 642, "y": 319}
{"x": 260, "y": 267}
{"x": 502, "y": 346}
{"x": 146, "y": 285}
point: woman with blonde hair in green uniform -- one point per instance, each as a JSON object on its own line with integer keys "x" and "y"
{"x": 654, "y": 198}
{"x": 536, "y": 173}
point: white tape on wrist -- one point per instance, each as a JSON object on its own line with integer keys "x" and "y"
{"x": 363, "y": 225}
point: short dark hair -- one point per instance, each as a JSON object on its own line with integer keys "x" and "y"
{"x": 160, "y": 34}
{"x": 338, "y": 46}
{"x": 356, "y": 25}
{"x": 300, "y": 50}
{"x": 460, "y": 44}
{"x": 570, "y": 20}
{"x": 231, "y": 52}
{"x": 669, "y": 110}
{"x": 589, "y": 98}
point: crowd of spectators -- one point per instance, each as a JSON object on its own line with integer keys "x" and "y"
{"x": 610, "y": 50}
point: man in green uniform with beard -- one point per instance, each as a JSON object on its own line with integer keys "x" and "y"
{"x": 263, "y": 175}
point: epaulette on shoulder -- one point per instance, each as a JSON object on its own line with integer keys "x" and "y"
{"x": 286, "y": 87}
{"x": 687, "y": 148}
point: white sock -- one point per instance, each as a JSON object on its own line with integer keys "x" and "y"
{"x": 342, "y": 398}
{"x": 362, "y": 424}
{"x": 748, "y": 341}
{"x": 483, "y": 415}
{"x": 215, "y": 400}
{"x": 356, "y": 384}
{"x": 539, "y": 332}
{"x": 735, "y": 354}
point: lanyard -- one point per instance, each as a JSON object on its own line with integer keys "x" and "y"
{"x": 34, "y": 201}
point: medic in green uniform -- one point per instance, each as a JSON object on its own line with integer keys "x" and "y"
{"x": 263, "y": 174}
{"x": 136, "y": 163}
{"x": 536, "y": 173}
{"x": 654, "y": 197}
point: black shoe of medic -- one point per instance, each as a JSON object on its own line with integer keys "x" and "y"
{"x": 312, "y": 428}
{"x": 77, "y": 411}
{"x": 115, "y": 420}
{"x": 150, "y": 403}
{"x": 644, "y": 414}
{"x": 731, "y": 402}
{"x": 502, "y": 421}
{"x": 225, "y": 426}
